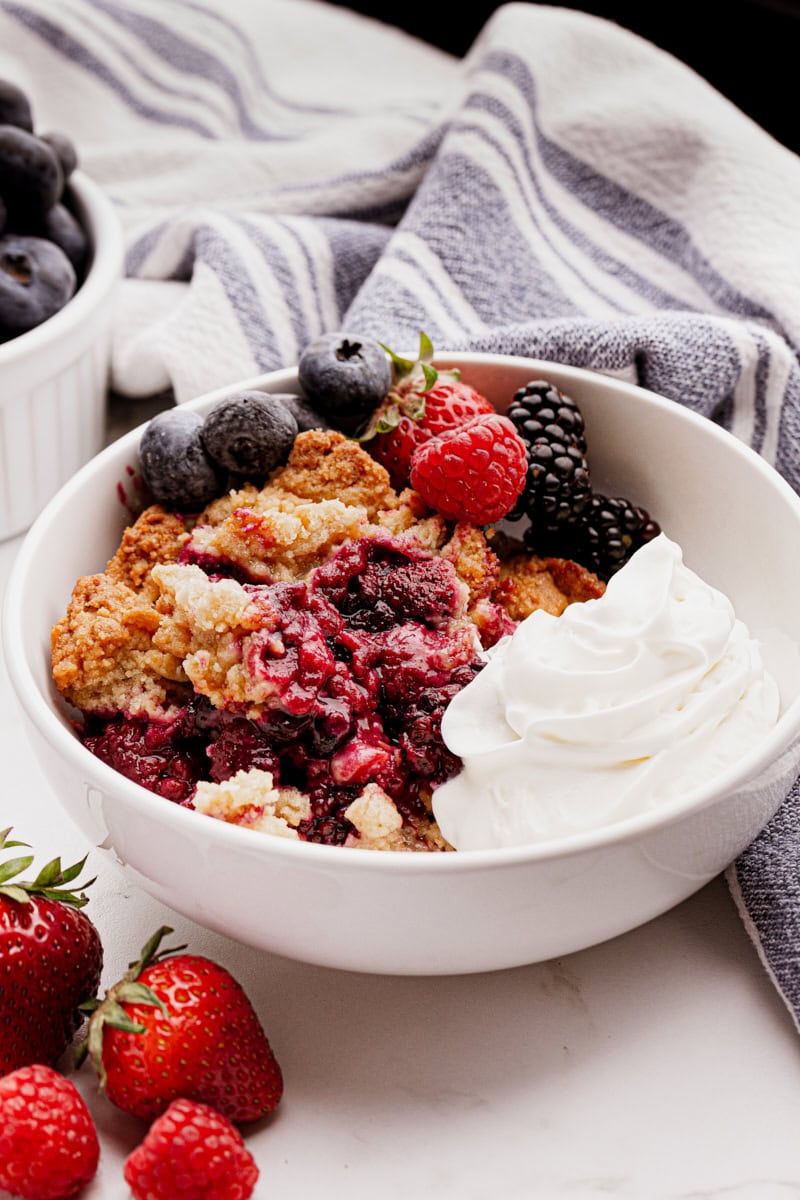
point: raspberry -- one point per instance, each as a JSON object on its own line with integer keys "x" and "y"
{"x": 472, "y": 473}
{"x": 191, "y": 1152}
{"x": 444, "y": 407}
{"x": 424, "y": 403}
{"x": 49, "y": 1148}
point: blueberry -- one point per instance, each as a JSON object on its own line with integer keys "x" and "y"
{"x": 249, "y": 434}
{"x": 15, "y": 108}
{"x": 64, "y": 149}
{"x": 174, "y": 464}
{"x": 36, "y": 280}
{"x": 306, "y": 417}
{"x": 31, "y": 181}
{"x": 345, "y": 376}
{"x": 60, "y": 226}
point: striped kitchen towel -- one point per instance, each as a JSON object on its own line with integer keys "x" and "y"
{"x": 567, "y": 191}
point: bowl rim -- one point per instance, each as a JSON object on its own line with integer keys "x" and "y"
{"x": 105, "y": 269}
{"x": 43, "y": 713}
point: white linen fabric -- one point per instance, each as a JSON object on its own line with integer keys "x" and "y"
{"x": 567, "y": 191}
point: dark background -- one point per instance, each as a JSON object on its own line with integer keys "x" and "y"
{"x": 748, "y": 49}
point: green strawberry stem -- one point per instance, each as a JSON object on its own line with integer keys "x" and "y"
{"x": 51, "y": 882}
{"x": 413, "y": 380}
{"x": 130, "y": 989}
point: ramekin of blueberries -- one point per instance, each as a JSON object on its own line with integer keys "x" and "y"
{"x": 60, "y": 260}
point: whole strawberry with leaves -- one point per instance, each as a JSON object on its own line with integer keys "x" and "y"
{"x": 422, "y": 403}
{"x": 51, "y": 958}
{"x": 179, "y": 1025}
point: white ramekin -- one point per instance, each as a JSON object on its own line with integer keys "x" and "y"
{"x": 53, "y": 379}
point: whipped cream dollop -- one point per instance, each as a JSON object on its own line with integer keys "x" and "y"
{"x": 615, "y": 707}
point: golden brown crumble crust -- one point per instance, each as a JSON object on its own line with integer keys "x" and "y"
{"x": 325, "y": 465}
{"x": 103, "y": 656}
{"x": 157, "y": 536}
{"x": 528, "y": 583}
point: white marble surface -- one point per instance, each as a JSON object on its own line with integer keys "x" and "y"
{"x": 659, "y": 1065}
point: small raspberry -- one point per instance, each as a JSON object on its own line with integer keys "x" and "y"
{"x": 472, "y": 473}
{"x": 191, "y": 1152}
{"x": 48, "y": 1142}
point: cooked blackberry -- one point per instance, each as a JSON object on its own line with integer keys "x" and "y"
{"x": 611, "y": 530}
{"x": 540, "y": 410}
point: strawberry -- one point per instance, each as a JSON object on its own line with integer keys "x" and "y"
{"x": 191, "y": 1152}
{"x": 50, "y": 960}
{"x": 48, "y": 1142}
{"x": 422, "y": 404}
{"x": 472, "y": 473}
{"x": 180, "y": 1025}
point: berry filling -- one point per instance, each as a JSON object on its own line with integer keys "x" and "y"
{"x": 165, "y": 757}
{"x": 355, "y": 667}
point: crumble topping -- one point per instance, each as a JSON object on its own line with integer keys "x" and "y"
{"x": 156, "y": 537}
{"x": 325, "y": 465}
{"x": 250, "y": 798}
{"x": 379, "y": 825}
{"x": 103, "y": 656}
{"x": 528, "y": 583}
{"x": 277, "y": 536}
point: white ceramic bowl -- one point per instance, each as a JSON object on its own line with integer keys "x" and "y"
{"x": 739, "y": 525}
{"x": 53, "y": 378}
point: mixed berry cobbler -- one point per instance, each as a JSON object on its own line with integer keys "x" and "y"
{"x": 282, "y": 658}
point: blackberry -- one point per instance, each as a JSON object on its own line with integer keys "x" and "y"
{"x": 539, "y": 410}
{"x": 611, "y": 530}
{"x": 327, "y": 823}
{"x": 241, "y": 746}
{"x": 150, "y": 755}
{"x": 557, "y": 486}
{"x": 328, "y": 829}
